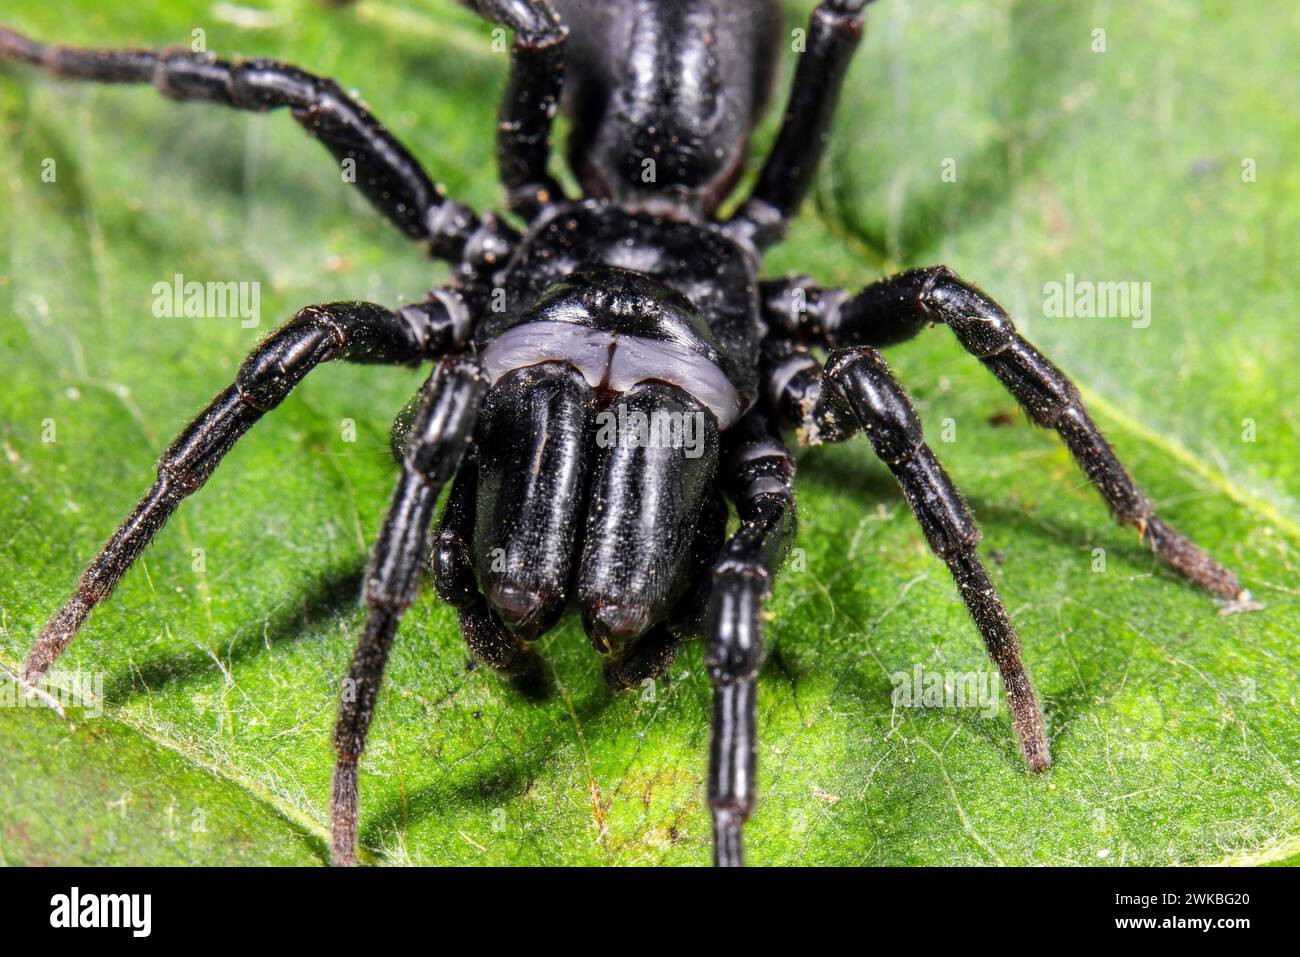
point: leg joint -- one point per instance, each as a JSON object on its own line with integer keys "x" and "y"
{"x": 261, "y": 85}
{"x": 844, "y": 16}
{"x": 535, "y": 24}
{"x": 182, "y": 75}
{"x": 1042, "y": 389}
{"x": 980, "y": 324}
{"x": 881, "y": 406}
{"x": 197, "y": 451}
{"x": 735, "y": 626}
{"x": 281, "y": 361}
{"x": 938, "y": 506}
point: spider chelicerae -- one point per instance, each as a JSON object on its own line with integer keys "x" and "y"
{"x": 607, "y": 375}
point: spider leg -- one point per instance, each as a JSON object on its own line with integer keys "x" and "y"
{"x": 440, "y": 433}
{"x": 353, "y": 331}
{"x": 759, "y": 477}
{"x": 531, "y": 100}
{"x": 389, "y": 176}
{"x": 897, "y": 308}
{"x": 834, "y": 29}
{"x": 857, "y": 390}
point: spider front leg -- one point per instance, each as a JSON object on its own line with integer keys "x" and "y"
{"x": 439, "y": 435}
{"x": 897, "y": 308}
{"x": 352, "y": 331}
{"x": 857, "y": 390}
{"x": 760, "y": 477}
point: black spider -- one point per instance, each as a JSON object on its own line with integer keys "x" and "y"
{"x": 604, "y": 375}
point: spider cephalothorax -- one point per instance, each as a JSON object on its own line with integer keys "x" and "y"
{"x": 606, "y": 376}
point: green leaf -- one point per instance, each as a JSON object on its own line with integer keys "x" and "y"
{"x": 1174, "y": 729}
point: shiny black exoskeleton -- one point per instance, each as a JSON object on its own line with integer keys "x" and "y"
{"x": 609, "y": 373}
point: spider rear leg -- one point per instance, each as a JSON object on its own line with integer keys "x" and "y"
{"x": 857, "y": 389}
{"x": 353, "y": 331}
{"x": 897, "y": 308}
{"x": 759, "y": 477}
{"x": 532, "y": 98}
{"x": 834, "y": 30}
{"x": 440, "y": 433}
{"x": 389, "y": 176}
